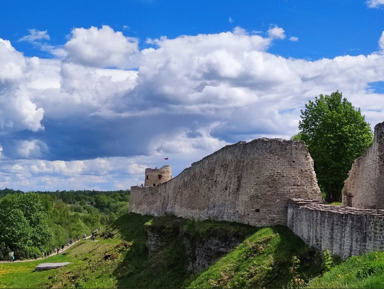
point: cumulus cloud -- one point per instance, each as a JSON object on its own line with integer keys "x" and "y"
{"x": 17, "y": 110}
{"x": 30, "y": 149}
{"x": 375, "y": 3}
{"x": 86, "y": 121}
{"x": 101, "y": 48}
{"x": 276, "y": 32}
{"x": 12, "y": 63}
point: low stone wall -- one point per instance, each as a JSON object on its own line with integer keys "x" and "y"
{"x": 344, "y": 231}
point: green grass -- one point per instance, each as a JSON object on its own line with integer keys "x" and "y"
{"x": 337, "y": 204}
{"x": 261, "y": 261}
{"x": 22, "y": 275}
{"x": 88, "y": 268}
{"x": 366, "y": 271}
{"x": 123, "y": 261}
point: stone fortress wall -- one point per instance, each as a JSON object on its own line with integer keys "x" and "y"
{"x": 246, "y": 182}
{"x": 364, "y": 187}
{"x": 269, "y": 182}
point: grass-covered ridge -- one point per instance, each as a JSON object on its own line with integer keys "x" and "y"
{"x": 263, "y": 258}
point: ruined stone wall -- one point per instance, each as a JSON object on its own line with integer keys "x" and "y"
{"x": 343, "y": 231}
{"x": 246, "y": 182}
{"x": 364, "y": 187}
{"x": 154, "y": 177}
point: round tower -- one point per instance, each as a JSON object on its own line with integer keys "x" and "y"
{"x": 154, "y": 177}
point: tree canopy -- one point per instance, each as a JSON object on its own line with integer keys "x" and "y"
{"x": 336, "y": 133}
{"x": 32, "y": 223}
{"x": 23, "y": 222}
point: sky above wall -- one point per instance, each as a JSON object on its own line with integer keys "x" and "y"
{"x": 93, "y": 92}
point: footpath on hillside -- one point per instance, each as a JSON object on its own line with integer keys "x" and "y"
{"x": 46, "y": 257}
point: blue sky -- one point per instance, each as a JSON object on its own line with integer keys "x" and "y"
{"x": 326, "y": 28}
{"x": 93, "y": 92}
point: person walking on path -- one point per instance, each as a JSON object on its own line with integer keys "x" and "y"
{"x": 56, "y": 252}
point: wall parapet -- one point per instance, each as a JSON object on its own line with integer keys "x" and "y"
{"x": 344, "y": 231}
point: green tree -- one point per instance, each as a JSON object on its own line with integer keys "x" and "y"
{"x": 23, "y": 222}
{"x": 336, "y": 134}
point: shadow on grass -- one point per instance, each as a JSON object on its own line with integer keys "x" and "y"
{"x": 289, "y": 246}
{"x": 261, "y": 261}
{"x": 166, "y": 267}
{"x": 129, "y": 272}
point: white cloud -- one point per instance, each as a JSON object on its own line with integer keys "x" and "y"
{"x": 381, "y": 42}
{"x": 17, "y": 109}
{"x": 98, "y": 174}
{"x": 294, "y": 39}
{"x": 35, "y": 36}
{"x": 276, "y": 32}
{"x": 101, "y": 48}
{"x": 375, "y": 3}
{"x": 190, "y": 96}
{"x": 12, "y": 63}
{"x": 30, "y": 149}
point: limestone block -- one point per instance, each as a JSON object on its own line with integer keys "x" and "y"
{"x": 49, "y": 266}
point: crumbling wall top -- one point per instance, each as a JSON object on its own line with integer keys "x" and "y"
{"x": 154, "y": 177}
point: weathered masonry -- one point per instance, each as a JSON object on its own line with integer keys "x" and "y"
{"x": 271, "y": 181}
{"x": 364, "y": 187}
{"x": 155, "y": 177}
{"x": 344, "y": 231}
{"x": 246, "y": 182}
{"x": 358, "y": 226}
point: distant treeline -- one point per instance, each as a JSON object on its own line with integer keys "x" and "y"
{"x": 63, "y": 194}
{"x": 36, "y": 222}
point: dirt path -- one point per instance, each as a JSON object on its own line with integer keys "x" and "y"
{"x": 41, "y": 258}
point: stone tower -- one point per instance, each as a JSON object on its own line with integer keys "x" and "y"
{"x": 154, "y": 177}
{"x": 364, "y": 187}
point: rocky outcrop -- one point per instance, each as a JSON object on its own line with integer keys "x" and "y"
{"x": 247, "y": 183}
{"x": 206, "y": 252}
{"x": 201, "y": 252}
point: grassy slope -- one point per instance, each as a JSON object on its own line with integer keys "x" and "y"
{"x": 88, "y": 268}
{"x": 263, "y": 259}
{"x": 366, "y": 271}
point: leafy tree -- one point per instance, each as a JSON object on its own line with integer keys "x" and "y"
{"x": 23, "y": 222}
{"x": 15, "y": 230}
{"x": 336, "y": 134}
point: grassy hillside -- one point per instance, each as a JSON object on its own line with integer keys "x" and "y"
{"x": 263, "y": 260}
{"x": 120, "y": 259}
{"x": 366, "y": 271}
